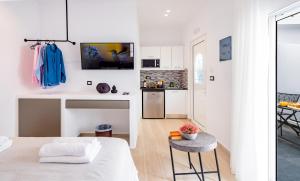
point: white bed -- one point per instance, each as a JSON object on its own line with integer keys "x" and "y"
{"x": 21, "y": 163}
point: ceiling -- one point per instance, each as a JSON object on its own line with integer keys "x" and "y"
{"x": 151, "y": 13}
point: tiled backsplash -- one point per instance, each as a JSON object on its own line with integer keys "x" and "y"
{"x": 179, "y": 77}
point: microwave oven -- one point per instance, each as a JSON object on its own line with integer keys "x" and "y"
{"x": 150, "y": 63}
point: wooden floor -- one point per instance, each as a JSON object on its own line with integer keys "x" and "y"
{"x": 152, "y": 155}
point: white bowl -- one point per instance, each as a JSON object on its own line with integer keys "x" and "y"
{"x": 190, "y": 136}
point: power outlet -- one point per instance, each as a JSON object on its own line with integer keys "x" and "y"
{"x": 89, "y": 82}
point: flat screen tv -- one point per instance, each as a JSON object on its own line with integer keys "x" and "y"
{"x": 107, "y": 55}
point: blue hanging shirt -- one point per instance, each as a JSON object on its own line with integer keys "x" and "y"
{"x": 54, "y": 69}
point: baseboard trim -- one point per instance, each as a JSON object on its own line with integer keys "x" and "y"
{"x": 225, "y": 149}
{"x": 219, "y": 144}
{"x": 176, "y": 116}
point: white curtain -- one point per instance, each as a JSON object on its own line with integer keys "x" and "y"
{"x": 249, "y": 144}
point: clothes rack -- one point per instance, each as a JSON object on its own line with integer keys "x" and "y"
{"x": 67, "y": 32}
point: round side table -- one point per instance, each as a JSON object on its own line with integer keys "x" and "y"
{"x": 203, "y": 143}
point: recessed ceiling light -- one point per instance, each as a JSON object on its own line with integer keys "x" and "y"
{"x": 166, "y": 15}
{"x": 168, "y": 11}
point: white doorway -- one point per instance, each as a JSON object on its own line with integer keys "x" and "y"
{"x": 199, "y": 81}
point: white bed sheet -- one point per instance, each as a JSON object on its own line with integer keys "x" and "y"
{"x": 21, "y": 163}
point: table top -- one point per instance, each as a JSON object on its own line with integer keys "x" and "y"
{"x": 203, "y": 143}
{"x": 289, "y": 108}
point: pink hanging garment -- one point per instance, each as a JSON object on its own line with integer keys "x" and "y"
{"x": 35, "y": 80}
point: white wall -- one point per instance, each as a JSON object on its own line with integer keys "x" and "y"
{"x": 160, "y": 37}
{"x": 89, "y": 21}
{"x": 17, "y": 22}
{"x": 93, "y": 21}
{"x": 288, "y": 62}
{"x": 215, "y": 21}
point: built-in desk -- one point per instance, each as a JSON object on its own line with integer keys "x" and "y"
{"x": 96, "y": 104}
{"x": 57, "y": 114}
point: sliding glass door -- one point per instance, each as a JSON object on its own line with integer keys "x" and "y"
{"x": 288, "y": 93}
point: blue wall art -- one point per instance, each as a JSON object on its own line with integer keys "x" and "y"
{"x": 226, "y": 49}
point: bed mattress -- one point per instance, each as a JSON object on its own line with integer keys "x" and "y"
{"x": 21, "y": 163}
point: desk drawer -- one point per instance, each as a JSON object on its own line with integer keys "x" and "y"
{"x": 95, "y": 104}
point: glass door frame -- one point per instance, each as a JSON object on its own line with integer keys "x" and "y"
{"x": 273, "y": 18}
{"x": 195, "y": 42}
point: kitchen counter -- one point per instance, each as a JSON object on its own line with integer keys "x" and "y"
{"x": 171, "y": 101}
{"x": 168, "y": 88}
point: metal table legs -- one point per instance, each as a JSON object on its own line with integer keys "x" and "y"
{"x": 217, "y": 164}
{"x": 192, "y": 167}
{"x": 201, "y": 167}
{"x": 284, "y": 121}
{"x": 190, "y": 163}
{"x": 173, "y": 169}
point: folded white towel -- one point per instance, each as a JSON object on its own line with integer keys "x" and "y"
{"x": 3, "y": 140}
{"x": 65, "y": 149}
{"x": 76, "y": 140}
{"x": 6, "y": 145}
{"x": 73, "y": 159}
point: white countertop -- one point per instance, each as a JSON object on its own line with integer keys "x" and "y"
{"x": 78, "y": 95}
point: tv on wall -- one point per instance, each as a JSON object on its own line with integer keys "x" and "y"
{"x": 107, "y": 55}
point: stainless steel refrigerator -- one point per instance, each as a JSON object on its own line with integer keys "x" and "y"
{"x": 153, "y": 104}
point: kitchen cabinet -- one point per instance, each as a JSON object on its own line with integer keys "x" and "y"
{"x": 177, "y": 57}
{"x": 165, "y": 57}
{"x": 176, "y": 101}
{"x": 150, "y": 52}
{"x": 171, "y": 57}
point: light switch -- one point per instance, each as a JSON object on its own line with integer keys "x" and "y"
{"x": 89, "y": 82}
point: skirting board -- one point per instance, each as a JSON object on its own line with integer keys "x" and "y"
{"x": 176, "y": 116}
{"x": 227, "y": 152}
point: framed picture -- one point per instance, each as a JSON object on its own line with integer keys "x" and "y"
{"x": 226, "y": 49}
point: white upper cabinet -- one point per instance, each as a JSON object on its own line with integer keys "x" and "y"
{"x": 171, "y": 57}
{"x": 150, "y": 52}
{"x": 165, "y": 57}
{"x": 177, "y": 57}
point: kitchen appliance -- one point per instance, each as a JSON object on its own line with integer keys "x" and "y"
{"x": 153, "y": 104}
{"x": 107, "y": 55}
{"x": 150, "y": 63}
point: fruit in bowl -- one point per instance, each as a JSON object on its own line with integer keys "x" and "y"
{"x": 189, "y": 131}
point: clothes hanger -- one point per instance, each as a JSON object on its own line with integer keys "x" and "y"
{"x": 34, "y": 45}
